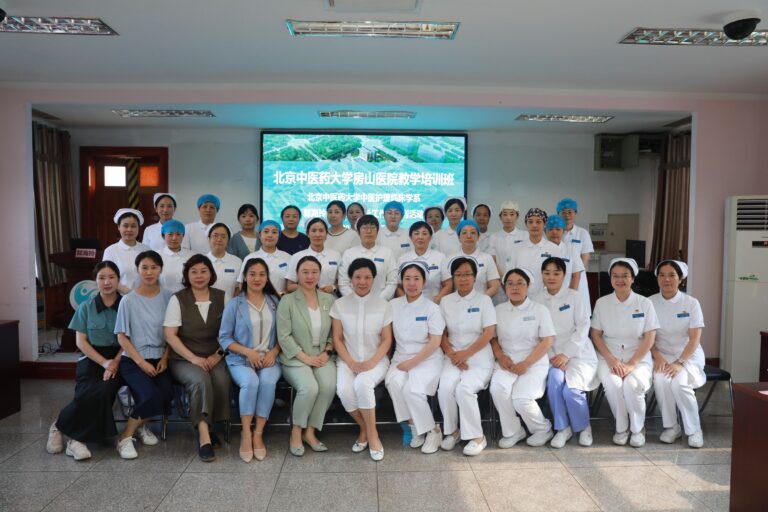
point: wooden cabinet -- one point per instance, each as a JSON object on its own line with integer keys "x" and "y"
{"x": 750, "y": 445}
{"x": 9, "y": 368}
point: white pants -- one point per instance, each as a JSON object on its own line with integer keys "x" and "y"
{"x": 356, "y": 389}
{"x": 677, "y": 392}
{"x": 513, "y": 394}
{"x": 409, "y": 392}
{"x": 457, "y": 395}
{"x": 626, "y": 396}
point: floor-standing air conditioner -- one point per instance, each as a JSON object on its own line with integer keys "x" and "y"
{"x": 745, "y": 286}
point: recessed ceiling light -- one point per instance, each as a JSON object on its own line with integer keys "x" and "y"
{"x": 54, "y": 25}
{"x": 162, "y": 113}
{"x": 562, "y": 118}
{"x": 691, "y": 37}
{"x": 368, "y": 114}
{"x": 401, "y": 29}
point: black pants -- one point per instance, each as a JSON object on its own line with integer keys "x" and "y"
{"x": 151, "y": 395}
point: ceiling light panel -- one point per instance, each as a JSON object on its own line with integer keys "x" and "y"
{"x": 372, "y": 5}
{"x": 162, "y": 113}
{"x": 53, "y": 25}
{"x": 691, "y": 37}
{"x": 562, "y": 118}
{"x": 399, "y": 29}
{"x": 368, "y": 114}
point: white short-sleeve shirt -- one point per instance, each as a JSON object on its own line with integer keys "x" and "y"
{"x": 196, "y": 237}
{"x": 153, "y": 237}
{"x": 446, "y": 241}
{"x": 676, "y": 316}
{"x": 340, "y": 242}
{"x": 227, "y": 268}
{"x": 385, "y": 282}
{"x": 484, "y": 243}
{"x": 173, "y": 311}
{"x": 397, "y": 241}
{"x": 124, "y": 256}
{"x": 173, "y": 268}
{"x": 624, "y": 323}
{"x": 277, "y": 262}
{"x": 570, "y": 316}
{"x": 436, "y": 262}
{"x": 362, "y": 319}
{"x": 520, "y": 328}
{"x": 502, "y": 244}
{"x": 581, "y": 243}
{"x": 413, "y": 323}
{"x": 486, "y": 268}
{"x": 329, "y": 259}
{"x": 530, "y": 256}
{"x": 465, "y": 318}
{"x": 573, "y": 263}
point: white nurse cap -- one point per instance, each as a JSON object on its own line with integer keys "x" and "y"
{"x": 680, "y": 264}
{"x": 123, "y": 211}
{"x": 509, "y": 205}
{"x": 629, "y": 261}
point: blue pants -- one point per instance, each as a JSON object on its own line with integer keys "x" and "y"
{"x": 257, "y": 388}
{"x": 569, "y": 406}
{"x": 151, "y": 395}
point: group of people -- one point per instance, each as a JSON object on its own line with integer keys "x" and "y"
{"x": 429, "y": 310}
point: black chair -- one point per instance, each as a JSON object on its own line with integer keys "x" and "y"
{"x": 715, "y": 375}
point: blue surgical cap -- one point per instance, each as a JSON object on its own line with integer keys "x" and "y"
{"x": 555, "y": 222}
{"x": 395, "y": 205}
{"x": 172, "y": 226}
{"x": 209, "y": 198}
{"x": 567, "y": 203}
{"x": 465, "y": 223}
{"x": 271, "y": 223}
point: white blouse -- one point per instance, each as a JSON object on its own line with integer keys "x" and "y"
{"x": 446, "y": 241}
{"x": 173, "y": 268}
{"x": 342, "y": 241}
{"x": 329, "y": 263}
{"x": 530, "y": 256}
{"x": 362, "y": 320}
{"x": 486, "y": 268}
{"x": 196, "y": 237}
{"x": 413, "y": 323}
{"x": 315, "y": 324}
{"x": 226, "y": 269}
{"x": 465, "y": 318}
{"x": 261, "y": 324}
{"x": 520, "y": 328}
{"x": 436, "y": 262}
{"x": 398, "y": 241}
{"x": 676, "y": 316}
{"x": 277, "y": 263}
{"x": 385, "y": 282}
{"x": 624, "y": 323}
{"x": 153, "y": 237}
{"x": 124, "y": 256}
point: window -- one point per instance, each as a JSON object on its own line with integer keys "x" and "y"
{"x": 114, "y": 176}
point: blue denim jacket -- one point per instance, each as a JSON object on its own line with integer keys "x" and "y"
{"x": 236, "y": 327}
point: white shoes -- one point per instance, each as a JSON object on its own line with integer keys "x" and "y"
{"x": 509, "y": 442}
{"x": 126, "y": 449}
{"x": 621, "y": 438}
{"x": 696, "y": 440}
{"x": 146, "y": 435}
{"x": 78, "y": 450}
{"x": 474, "y": 448}
{"x": 377, "y": 455}
{"x": 670, "y": 435}
{"x": 55, "y": 442}
{"x": 432, "y": 442}
{"x": 416, "y": 440}
{"x": 449, "y": 442}
{"x": 637, "y": 440}
{"x": 561, "y": 438}
{"x": 539, "y": 438}
{"x": 585, "y": 437}
{"x": 359, "y": 447}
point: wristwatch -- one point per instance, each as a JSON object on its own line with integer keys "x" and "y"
{"x": 221, "y": 352}
{"x": 329, "y": 351}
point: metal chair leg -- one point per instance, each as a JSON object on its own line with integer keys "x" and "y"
{"x": 164, "y": 428}
{"x": 709, "y": 395}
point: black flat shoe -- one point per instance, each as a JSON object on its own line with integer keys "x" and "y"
{"x": 215, "y": 441}
{"x": 206, "y": 453}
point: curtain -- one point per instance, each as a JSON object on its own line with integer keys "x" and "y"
{"x": 54, "y": 199}
{"x": 670, "y": 232}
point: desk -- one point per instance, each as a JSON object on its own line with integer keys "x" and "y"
{"x": 750, "y": 446}
{"x": 10, "y": 377}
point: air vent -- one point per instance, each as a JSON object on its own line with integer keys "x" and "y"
{"x": 368, "y": 114}
{"x": 752, "y": 215}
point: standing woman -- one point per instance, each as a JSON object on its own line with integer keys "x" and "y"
{"x": 225, "y": 265}
{"x": 124, "y": 252}
{"x": 246, "y": 240}
{"x": 248, "y": 335}
{"x": 165, "y": 207}
{"x": 362, "y": 336}
{"x": 418, "y": 326}
{"x": 421, "y": 238}
{"x": 470, "y": 323}
{"x": 446, "y": 240}
{"x": 276, "y": 260}
{"x": 191, "y": 324}
{"x": 434, "y": 216}
{"x": 304, "y": 334}
{"x": 174, "y": 256}
{"x": 339, "y": 238}
{"x": 196, "y": 240}
{"x": 678, "y": 360}
{"x": 574, "y": 268}
{"x": 572, "y": 356}
{"x": 623, "y": 330}
{"x": 328, "y": 258}
{"x": 354, "y": 212}
{"x": 532, "y": 252}
{"x": 139, "y": 329}
{"x": 481, "y": 214}
{"x": 385, "y": 277}
{"x": 392, "y": 235}
{"x": 88, "y": 417}
{"x": 487, "y": 276}
{"x": 577, "y": 238}
{"x": 524, "y": 335}
{"x": 291, "y": 241}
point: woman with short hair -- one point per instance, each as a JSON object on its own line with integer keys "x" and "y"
{"x": 245, "y": 241}
{"x": 340, "y": 238}
{"x": 329, "y": 259}
{"x": 225, "y": 265}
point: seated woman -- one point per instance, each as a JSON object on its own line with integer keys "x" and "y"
{"x": 124, "y": 252}
{"x": 245, "y": 241}
{"x": 421, "y": 238}
{"x": 304, "y": 334}
{"x": 174, "y": 255}
{"x": 678, "y": 360}
{"x": 362, "y": 336}
{"x": 418, "y": 327}
{"x": 470, "y": 323}
{"x": 329, "y": 259}
{"x": 487, "y": 278}
{"x": 88, "y": 417}
{"x": 248, "y": 335}
{"x": 572, "y": 356}
{"x": 523, "y": 336}
{"x": 225, "y": 265}
{"x": 623, "y": 330}
{"x": 192, "y": 322}
{"x": 139, "y": 329}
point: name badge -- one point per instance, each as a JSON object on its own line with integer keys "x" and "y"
{"x": 518, "y": 241}
{"x": 638, "y": 315}
{"x": 528, "y": 318}
{"x": 332, "y": 263}
{"x": 481, "y": 265}
{"x": 433, "y": 267}
{"x": 564, "y": 307}
{"x": 566, "y": 260}
{"x": 421, "y": 319}
{"x": 282, "y": 265}
{"x": 229, "y": 270}
{"x": 545, "y": 255}
{"x": 473, "y": 310}
{"x": 574, "y": 241}
{"x": 683, "y": 315}
{"x": 405, "y": 246}
{"x": 380, "y": 260}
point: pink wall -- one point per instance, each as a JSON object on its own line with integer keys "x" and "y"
{"x": 728, "y": 160}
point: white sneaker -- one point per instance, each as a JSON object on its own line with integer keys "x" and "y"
{"x": 432, "y": 442}
{"x": 696, "y": 440}
{"x": 637, "y": 439}
{"x": 509, "y": 442}
{"x": 670, "y": 435}
{"x": 55, "y": 442}
{"x": 449, "y": 442}
{"x": 78, "y": 450}
{"x": 561, "y": 438}
{"x": 377, "y": 455}
{"x": 146, "y": 436}
{"x": 416, "y": 439}
{"x": 621, "y": 438}
{"x": 359, "y": 447}
{"x": 126, "y": 449}
{"x": 474, "y": 448}
{"x": 539, "y": 438}
{"x": 585, "y": 437}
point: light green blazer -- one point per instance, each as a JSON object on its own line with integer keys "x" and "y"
{"x": 294, "y": 328}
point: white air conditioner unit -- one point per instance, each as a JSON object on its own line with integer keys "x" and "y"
{"x": 745, "y": 286}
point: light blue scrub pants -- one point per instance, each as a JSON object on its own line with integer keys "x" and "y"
{"x": 257, "y": 388}
{"x": 569, "y": 406}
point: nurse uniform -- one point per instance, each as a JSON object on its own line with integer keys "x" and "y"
{"x": 385, "y": 282}
{"x": 581, "y": 243}
{"x": 436, "y": 263}
{"x": 173, "y": 268}
{"x": 124, "y": 256}
{"x": 397, "y": 241}
{"x": 530, "y": 256}
{"x": 277, "y": 263}
{"x": 226, "y": 269}
{"x": 486, "y": 268}
{"x": 446, "y": 241}
{"x": 329, "y": 259}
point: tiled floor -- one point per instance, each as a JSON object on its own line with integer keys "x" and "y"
{"x": 169, "y": 476}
